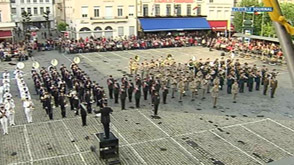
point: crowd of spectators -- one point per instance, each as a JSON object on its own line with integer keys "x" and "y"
{"x": 21, "y": 51}
{"x": 266, "y": 51}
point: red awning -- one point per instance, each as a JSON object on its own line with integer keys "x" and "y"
{"x": 5, "y": 34}
{"x": 219, "y": 25}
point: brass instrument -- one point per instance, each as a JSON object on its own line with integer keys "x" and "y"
{"x": 137, "y": 58}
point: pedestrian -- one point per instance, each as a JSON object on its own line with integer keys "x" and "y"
{"x": 164, "y": 94}
{"x": 137, "y": 96}
{"x": 4, "y": 119}
{"x": 116, "y": 91}
{"x": 130, "y": 90}
{"x": 28, "y": 107}
{"x": 83, "y": 114}
{"x": 88, "y": 101}
{"x": 110, "y": 84}
{"x": 265, "y": 84}
{"x": 273, "y": 85}
{"x": 235, "y": 90}
{"x": 214, "y": 93}
{"x": 123, "y": 96}
{"x": 105, "y": 119}
{"x": 62, "y": 103}
{"x": 9, "y": 106}
{"x": 156, "y": 101}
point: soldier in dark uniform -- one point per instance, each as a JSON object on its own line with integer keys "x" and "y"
{"x": 110, "y": 83}
{"x": 156, "y": 101}
{"x": 62, "y": 103}
{"x": 257, "y": 80}
{"x": 88, "y": 101}
{"x": 105, "y": 119}
{"x": 130, "y": 90}
{"x": 242, "y": 82}
{"x": 137, "y": 96}
{"x": 116, "y": 91}
{"x": 47, "y": 100}
{"x": 55, "y": 93}
{"x": 76, "y": 103}
{"x": 250, "y": 82}
{"x": 123, "y": 95}
{"x": 164, "y": 94}
{"x": 145, "y": 89}
{"x": 230, "y": 81}
{"x": 83, "y": 114}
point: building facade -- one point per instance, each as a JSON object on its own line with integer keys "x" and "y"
{"x": 6, "y": 25}
{"x": 36, "y": 8}
{"x": 168, "y": 8}
{"x": 105, "y": 18}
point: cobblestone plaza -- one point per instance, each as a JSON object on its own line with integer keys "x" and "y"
{"x": 256, "y": 130}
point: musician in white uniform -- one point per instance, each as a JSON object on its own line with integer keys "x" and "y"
{"x": 10, "y": 106}
{"x": 1, "y": 94}
{"x": 6, "y": 74}
{"x": 4, "y": 119}
{"x": 28, "y": 106}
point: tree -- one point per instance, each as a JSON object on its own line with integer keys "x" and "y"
{"x": 26, "y": 19}
{"x": 62, "y": 26}
{"x": 46, "y": 16}
{"x": 239, "y": 17}
{"x": 262, "y": 22}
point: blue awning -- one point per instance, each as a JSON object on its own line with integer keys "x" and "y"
{"x": 173, "y": 24}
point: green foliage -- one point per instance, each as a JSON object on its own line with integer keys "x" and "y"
{"x": 62, "y": 26}
{"x": 26, "y": 17}
{"x": 262, "y": 22}
{"x": 46, "y": 15}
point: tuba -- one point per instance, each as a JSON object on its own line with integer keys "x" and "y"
{"x": 169, "y": 57}
{"x": 137, "y": 58}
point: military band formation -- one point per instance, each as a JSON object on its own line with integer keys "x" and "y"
{"x": 154, "y": 79}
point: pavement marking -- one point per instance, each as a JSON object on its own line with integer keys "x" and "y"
{"x": 46, "y": 122}
{"x": 53, "y": 157}
{"x": 86, "y": 57}
{"x": 72, "y": 138}
{"x": 132, "y": 148}
{"x": 28, "y": 143}
{"x": 280, "y": 124}
{"x": 236, "y": 147}
{"x": 66, "y": 57}
{"x": 229, "y": 126}
{"x": 256, "y": 134}
{"x": 172, "y": 138}
{"x": 103, "y": 56}
{"x": 118, "y": 55}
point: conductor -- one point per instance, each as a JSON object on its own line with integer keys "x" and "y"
{"x": 105, "y": 119}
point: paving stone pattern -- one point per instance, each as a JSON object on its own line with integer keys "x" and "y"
{"x": 256, "y": 130}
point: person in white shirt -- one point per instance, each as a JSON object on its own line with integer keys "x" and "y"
{"x": 4, "y": 119}
{"x": 6, "y": 95}
{"x": 1, "y": 94}
{"x": 6, "y": 86}
{"x": 5, "y": 79}
{"x": 9, "y": 106}
{"x": 28, "y": 106}
{"x": 6, "y": 74}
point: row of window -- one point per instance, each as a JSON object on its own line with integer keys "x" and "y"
{"x": 177, "y": 10}
{"x": 36, "y": 11}
{"x": 120, "y": 30}
{"x": 108, "y": 11}
{"x": 30, "y": 1}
